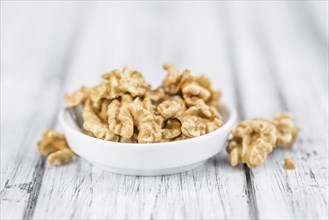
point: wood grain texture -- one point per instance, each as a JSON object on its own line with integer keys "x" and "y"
{"x": 266, "y": 57}
{"x": 276, "y": 188}
{"x": 26, "y": 110}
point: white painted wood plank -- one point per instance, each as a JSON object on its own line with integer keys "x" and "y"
{"x": 34, "y": 38}
{"x": 319, "y": 10}
{"x": 307, "y": 20}
{"x": 80, "y": 190}
{"x": 274, "y": 64}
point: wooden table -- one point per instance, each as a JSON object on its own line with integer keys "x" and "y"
{"x": 266, "y": 57}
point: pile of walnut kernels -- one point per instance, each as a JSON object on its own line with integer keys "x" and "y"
{"x": 124, "y": 108}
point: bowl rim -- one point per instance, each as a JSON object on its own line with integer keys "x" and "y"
{"x": 232, "y": 116}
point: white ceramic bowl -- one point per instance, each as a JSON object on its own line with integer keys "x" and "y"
{"x": 146, "y": 159}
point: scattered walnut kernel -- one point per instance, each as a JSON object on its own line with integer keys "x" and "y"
{"x": 54, "y": 145}
{"x": 254, "y": 139}
{"x": 61, "y": 157}
{"x": 252, "y": 142}
{"x": 289, "y": 164}
{"x": 286, "y": 130}
{"x": 51, "y": 142}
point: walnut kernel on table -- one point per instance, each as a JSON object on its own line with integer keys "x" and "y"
{"x": 286, "y": 130}
{"x": 289, "y": 164}
{"x": 254, "y": 139}
{"x": 54, "y": 145}
{"x": 251, "y": 143}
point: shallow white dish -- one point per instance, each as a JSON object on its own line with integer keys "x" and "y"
{"x": 146, "y": 159}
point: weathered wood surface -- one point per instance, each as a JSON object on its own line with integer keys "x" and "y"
{"x": 266, "y": 57}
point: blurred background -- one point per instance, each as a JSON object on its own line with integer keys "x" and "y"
{"x": 78, "y": 41}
